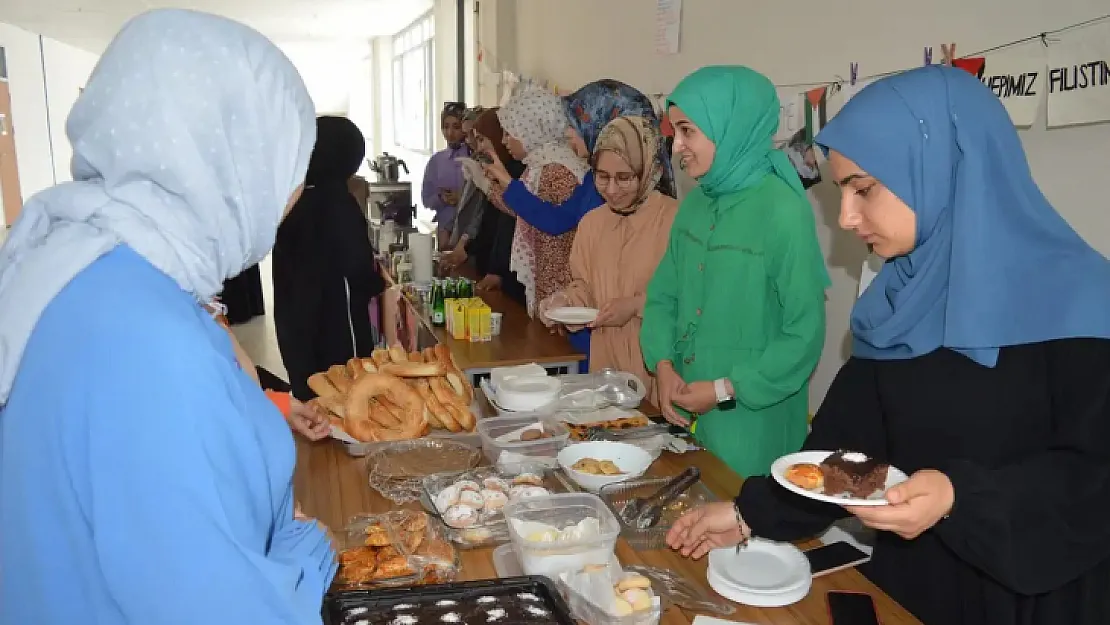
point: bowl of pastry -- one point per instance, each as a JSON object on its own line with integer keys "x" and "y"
{"x": 595, "y": 464}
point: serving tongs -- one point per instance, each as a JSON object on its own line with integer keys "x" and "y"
{"x": 645, "y": 512}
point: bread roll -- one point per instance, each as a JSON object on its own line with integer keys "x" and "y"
{"x": 322, "y": 386}
{"x": 414, "y": 369}
{"x": 337, "y": 375}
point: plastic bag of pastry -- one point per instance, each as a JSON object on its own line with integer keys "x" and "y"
{"x": 399, "y": 548}
{"x": 606, "y": 595}
{"x": 681, "y": 591}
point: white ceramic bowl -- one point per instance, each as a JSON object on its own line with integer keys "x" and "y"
{"x": 526, "y": 394}
{"x": 629, "y": 458}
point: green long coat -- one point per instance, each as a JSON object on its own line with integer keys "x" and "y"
{"x": 739, "y": 293}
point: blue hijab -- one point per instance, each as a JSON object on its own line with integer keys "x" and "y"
{"x": 994, "y": 264}
{"x": 593, "y": 106}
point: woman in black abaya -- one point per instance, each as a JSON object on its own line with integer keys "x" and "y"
{"x": 323, "y": 263}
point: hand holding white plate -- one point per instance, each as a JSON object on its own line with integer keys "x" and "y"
{"x": 810, "y": 462}
{"x": 572, "y": 315}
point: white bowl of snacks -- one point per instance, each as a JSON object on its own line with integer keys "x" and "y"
{"x": 599, "y": 463}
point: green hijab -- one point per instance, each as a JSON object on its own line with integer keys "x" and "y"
{"x": 738, "y": 109}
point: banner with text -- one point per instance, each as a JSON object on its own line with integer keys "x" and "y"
{"x": 1079, "y": 78}
{"x": 1019, "y": 82}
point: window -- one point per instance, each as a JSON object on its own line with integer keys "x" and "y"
{"x": 413, "y": 97}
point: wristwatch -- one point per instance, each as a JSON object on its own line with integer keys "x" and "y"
{"x": 725, "y": 400}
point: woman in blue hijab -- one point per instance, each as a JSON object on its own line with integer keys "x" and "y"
{"x": 141, "y": 470}
{"x": 980, "y": 366}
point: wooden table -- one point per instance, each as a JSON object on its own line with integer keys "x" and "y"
{"x": 523, "y": 340}
{"x": 332, "y": 487}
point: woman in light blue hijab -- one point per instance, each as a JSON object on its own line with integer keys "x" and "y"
{"x": 980, "y": 367}
{"x": 142, "y": 474}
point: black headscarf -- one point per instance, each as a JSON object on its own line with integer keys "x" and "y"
{"x": 323, "y": 263}
{"x": 340, "y": 148}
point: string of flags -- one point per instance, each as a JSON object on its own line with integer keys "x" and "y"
{"x": 1072, "y": 75}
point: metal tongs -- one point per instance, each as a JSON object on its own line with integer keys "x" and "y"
{"x": 645, "y": 512}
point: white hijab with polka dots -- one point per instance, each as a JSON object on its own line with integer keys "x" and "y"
{"x": 188, "y": 141}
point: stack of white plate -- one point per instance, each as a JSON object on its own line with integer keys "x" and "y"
{"x": 762, "y": 573}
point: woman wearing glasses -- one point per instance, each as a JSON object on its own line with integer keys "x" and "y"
{"x": 619, "y": 245}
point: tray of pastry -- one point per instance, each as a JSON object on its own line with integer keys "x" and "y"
{"x": 470, "y": 503}
{"x": 635, "y": 423}
{"x": 396, "y": 395}
{"x": 510, "y": 601}
{"x": 398, "y": 548}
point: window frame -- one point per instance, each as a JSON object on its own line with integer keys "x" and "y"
{"x": 418, "y": 38}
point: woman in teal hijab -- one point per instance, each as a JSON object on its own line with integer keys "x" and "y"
{"x": 734, "y": 321}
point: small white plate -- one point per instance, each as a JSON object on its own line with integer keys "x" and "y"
{"x": 573, "y": 315}
{"x": 761, "y": 567}
{"x": 894, "y": 476}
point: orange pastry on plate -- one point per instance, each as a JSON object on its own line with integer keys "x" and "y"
{"x": 805, "y": 475}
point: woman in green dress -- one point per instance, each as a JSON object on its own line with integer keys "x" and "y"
{"x": 734, "y": 320}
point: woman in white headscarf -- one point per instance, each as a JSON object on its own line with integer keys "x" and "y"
{"x": 140, "y": 469}
{"x": 535, "y": 124}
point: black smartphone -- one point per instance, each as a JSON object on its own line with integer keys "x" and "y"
{"x": 834, "y": 557}
{"x": 483, "y": 158}
{"x": 851, "y": 608}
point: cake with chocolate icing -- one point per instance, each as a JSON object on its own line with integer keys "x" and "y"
{"x": 853, "y": 474}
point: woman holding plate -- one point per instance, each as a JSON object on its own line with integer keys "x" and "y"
{"x": 980, "y": 367}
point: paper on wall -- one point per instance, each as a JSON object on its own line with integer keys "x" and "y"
{"x": 1079, "y": 77}
{"x": 1019, "y": 82}
{"x": 668, "y": 26}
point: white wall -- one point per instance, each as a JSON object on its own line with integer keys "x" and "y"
{"x": 35, "y": 78}
{"x": 804, "y": 41}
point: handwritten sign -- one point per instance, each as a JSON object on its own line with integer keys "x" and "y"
{"x": 1019, "y": 82}
{"x": 1079, "y": 78}
{"x": 668, "y": 26}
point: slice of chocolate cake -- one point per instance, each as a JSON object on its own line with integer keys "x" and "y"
{"x": 853, "y": 474}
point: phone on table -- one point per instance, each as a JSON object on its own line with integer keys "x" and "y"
{"x": 851, "y": 608}
{"x": 834, "y": 557}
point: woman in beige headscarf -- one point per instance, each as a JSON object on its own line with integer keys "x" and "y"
{"x": 619, "y": 244}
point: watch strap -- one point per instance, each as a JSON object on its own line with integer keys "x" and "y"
{"x": 721, "y": 391}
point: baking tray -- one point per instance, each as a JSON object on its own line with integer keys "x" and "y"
{"x": 513, "y": 595}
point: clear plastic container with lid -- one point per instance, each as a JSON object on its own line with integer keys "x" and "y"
{"x": 507, "y": 444}
{"x": 562, "y": 532}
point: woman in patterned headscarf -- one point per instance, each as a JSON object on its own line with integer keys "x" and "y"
{"x": 619, "y": 246}
{"x": 593, "y": 106}
{"x": 589, "y": 110}
{"x": 535, "y": 125}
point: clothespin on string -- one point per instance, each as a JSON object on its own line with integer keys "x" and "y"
{"x": 853, "y": 73}
{"x": 928, "y": 55}
{"x": 948, "y": 52}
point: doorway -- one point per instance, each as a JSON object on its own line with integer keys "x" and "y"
{"x": 10, "y": 197}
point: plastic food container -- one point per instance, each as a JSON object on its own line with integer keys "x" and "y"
{"x": 562, "y": 512}
{"x": 616, "y": 496}
{"x": 587, "y": 611}
{"x": 399, "y": 548}
{"x": 527, "y": 393}
{"x": 489, "y": 528}
{"x": 505, "y": 450}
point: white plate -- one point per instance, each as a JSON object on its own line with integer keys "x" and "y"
{"x": 894, "y": 476}
{"x": 573, "y": 315}
{"x": 761, "y": 567}
{"x": 759, "y": 600}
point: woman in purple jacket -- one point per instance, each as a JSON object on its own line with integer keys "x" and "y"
{"x": 443, "y": 176}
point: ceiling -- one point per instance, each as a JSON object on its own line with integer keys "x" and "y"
{"x": 90, "y": 24}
